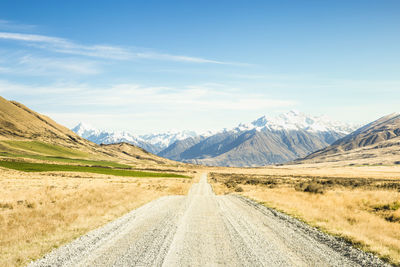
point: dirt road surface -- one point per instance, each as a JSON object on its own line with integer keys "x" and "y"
{"x": 202, "y": 229}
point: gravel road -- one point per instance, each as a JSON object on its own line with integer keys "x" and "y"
{"x": 202, "y": 229}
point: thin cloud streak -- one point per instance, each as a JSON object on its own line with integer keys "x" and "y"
{"x": 65, "y": 46}
{"x": 199, "y": 98}
{"x": 44, "y": 66}
{"x": 29, "y": 65}
{"x": 177, "y": 58}
{"x": 202, "y": 97}
{"x": 10, "y": 25}
{"x": 32, "y": 38}
{"x": 135, "y": 107}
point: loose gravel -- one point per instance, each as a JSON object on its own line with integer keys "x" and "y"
{"x": 203, "y": 229}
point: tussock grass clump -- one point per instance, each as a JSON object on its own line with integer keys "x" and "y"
{"x": 230, "y": 184}
{"x": 391, "y": 206}
{"x": 395, "y": 218}
{"x": 310, "y": 187}
{"x": 6, "y": 206}
{"x": 389, "y": 211}
{"x": 239, "y": 189}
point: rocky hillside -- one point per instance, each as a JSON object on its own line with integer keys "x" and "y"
{"x": 262, "y": 142}
{"x": 378, "y": 139}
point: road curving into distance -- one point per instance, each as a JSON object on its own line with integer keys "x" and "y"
{"x": 202, "y": 229}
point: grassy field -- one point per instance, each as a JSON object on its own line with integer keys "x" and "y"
{"x": 102, "y": 163}
{"x": 44, "y": 167}
{"x": 365, "y": 211}
{"x": 39, "y": 212}
{"x": 38, "y": 147}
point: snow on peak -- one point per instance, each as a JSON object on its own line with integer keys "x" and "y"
{"x": 165, "y": 139}
{"x": 289, "y": 121}
{"x": 85, "y": 130}
{"x": 295, "y": 120}
{"x": 102, "y": 137}
{"x": 152, "y": 142}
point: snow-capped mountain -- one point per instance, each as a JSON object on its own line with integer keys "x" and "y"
{"x": 163, "y": 140}
{"x": 267, "y": 140}
{"x": 294, "y": 121}
{"x": 153, "y": 143}
{"x": 110, "y": 137}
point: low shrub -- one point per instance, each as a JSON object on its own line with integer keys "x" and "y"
{"x": 392, "y": 206}
{"x": 230, "y": 184}
{"x": 30, "y": 205}
{"x": 6, "y": 206}
{"x": 310, "y": 187}
{"x": 392, "y": 218}
{"x": 238, "y": 189}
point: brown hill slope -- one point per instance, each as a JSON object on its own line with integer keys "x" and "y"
{"x": 20, "y": 125}
{"x": 19, "y": 122}
{"x": 130, "y": 152}
{"x": 376, "y": 142}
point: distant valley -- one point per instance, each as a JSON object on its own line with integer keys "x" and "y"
{"x": 267, "y": 140}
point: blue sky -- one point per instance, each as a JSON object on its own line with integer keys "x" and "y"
{"x": 152, "y": 66}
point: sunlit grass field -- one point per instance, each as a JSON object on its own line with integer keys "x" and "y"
{"x": 102, "y": 163}
{"x": 44, "y": 167}
{"x": 18, "y": 155}
{"x": 41, "y": 148}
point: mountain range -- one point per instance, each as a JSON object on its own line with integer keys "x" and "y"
{"x": 153, "y": 143}
{"x": 375, "y": 143}
{"x": 293, "y": 135}
{"x": 267, "y": 140}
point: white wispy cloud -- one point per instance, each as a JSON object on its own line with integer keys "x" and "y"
{"x": 43, "y": 65}
{"x": 32, "y": 65}
{"x": 41, "y": 93}
{"x": 31, "y": 38}
{"x": 202, "y": 97}
{"x": 144, "y": 108}
{"x": 4, "y": 69}
{"x": 198, "y": 97}
{"x": 66, "y": 46}
{"x": 14, "y": 26}
{"x": 178, "y": 58}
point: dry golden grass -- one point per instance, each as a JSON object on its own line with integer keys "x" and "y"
{"x": 347, "y": 213}
{"x": 367, "y": 217}
{"x": 40, "y": 212}
{"x": 323, "y": 170}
